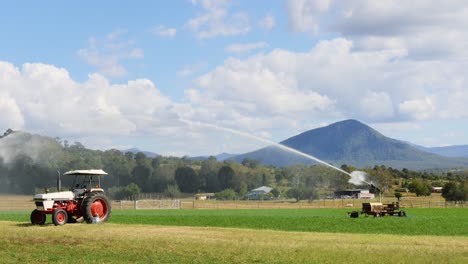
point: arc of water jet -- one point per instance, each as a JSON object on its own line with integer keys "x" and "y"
{"x": 233, "y": 131}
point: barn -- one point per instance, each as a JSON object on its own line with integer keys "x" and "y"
{"x": 259, "y": 193}
{"x": 354, "y": 194}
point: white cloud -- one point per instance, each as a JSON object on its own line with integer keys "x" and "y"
{"x": 418, "y": 109}
{"x": 246, "y": 47}
{"x": 304, "y": 15}
{"x": 43, "y": 98}
{"x": 164, "y": 31}
{"x": 215, "y": 20}
{"x": 425, "y": 29}
{"x": 376, "y": 106}
{"x": 268, "y": 22}
{"x": 330, "y": 82}
{"x": 108, "y": 54}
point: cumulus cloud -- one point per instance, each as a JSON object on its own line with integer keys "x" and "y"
{"x": 216, "y": 20}
{"x": 246, "y": 47}
{"x": 305, "y": 15}
{"x": 426, "y": 29}
{"x": 164, "y": 31}
{"x": 107, "y": 54}
{"x": 418, "y": 109}
{"x": 43, "y": 98}
{"x": 331, "y": 81}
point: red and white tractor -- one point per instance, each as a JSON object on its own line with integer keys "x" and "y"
{"x": 84, "y": 202}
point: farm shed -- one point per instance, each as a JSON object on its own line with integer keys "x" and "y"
{"x": 204, "y": 196}
{"x": 354, "y": 193}
{"x": 259, "y": 193}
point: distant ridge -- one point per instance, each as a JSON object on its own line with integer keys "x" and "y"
{"x": 354, "y": 143}
{"x": 220, "y": 157}
{"x": 448, "y": 151}
{"x": 136, "y": 150}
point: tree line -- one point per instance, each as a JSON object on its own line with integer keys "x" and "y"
{"x": 130, "y": 174}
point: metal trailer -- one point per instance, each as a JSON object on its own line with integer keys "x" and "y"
{"x": 378, "y": 210}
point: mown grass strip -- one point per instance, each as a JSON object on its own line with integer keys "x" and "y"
{"x": 116, "y": 243}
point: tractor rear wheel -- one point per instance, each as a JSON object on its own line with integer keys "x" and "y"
{"x": 60, "y": 217}
{"x": 96, "y": 208}
{"x": 37, "y": 217}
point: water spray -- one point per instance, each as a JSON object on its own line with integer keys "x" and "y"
{"x": 353, "y": 175}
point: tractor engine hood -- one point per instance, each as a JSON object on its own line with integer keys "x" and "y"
{"x": 68, "y": 195}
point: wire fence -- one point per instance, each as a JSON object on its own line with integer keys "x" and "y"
{"x": 26, "y": 203}
{"x": 341, "y": 203}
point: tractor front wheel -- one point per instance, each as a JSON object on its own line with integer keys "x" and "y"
{"x": 96, "y": 208}
{"x": 60, "y": 217}
{"x": 37, "y": 217}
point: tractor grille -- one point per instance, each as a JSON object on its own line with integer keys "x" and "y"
{"x": 39, "y": 204}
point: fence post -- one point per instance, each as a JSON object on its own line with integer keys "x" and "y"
{"x": 135, "y": 204}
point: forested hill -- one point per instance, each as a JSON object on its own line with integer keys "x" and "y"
{"x": 29, "y": 163}
{"x": 352, "y": 142}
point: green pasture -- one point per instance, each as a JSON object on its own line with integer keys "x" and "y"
{"x": 241, "y": 236}
{"x": 433, "y": 222}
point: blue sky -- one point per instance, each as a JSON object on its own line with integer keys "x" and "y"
{"x": 124, "y": 75}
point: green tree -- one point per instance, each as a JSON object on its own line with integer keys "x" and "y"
{"x": 302, "y": 194}
{"x": 141, "y": 175}
{"x": 243, "y": 189}
{"x": 420, "y": 188}
{"x": 209, "y": 175}
{"x": 455, "y": 191}
{"x": 398, "y": 195}
{"x": 295, "y": 193}
{"x": 275, "y": 192}
{"x": 309, "y": 194}
{"x": 128, "y": 192}
{"x": 225, "y": 177}
{"x": 187, "y": 179}
{"x": 228, "y": 194}
{"x": 251, "y": 163}
{"x": 172, "y": 191}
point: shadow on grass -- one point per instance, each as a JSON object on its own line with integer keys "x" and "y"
{"x": 31, "y": 225}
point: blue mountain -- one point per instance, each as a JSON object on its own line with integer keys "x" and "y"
{"x": 354, "y": 143}
{"x": 448, "y": 151}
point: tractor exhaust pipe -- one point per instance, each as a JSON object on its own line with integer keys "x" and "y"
{"x": 59, "y": 182}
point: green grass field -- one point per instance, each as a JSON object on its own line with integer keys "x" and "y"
{"x": 435, "y": 222}
{"x": 240, "y": 236}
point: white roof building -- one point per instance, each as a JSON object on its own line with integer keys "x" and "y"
{"x": 258, "y": 193}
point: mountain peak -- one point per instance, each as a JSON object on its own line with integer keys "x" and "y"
{"x": 350, "y": 142}
{"x": 349, "y": 123}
